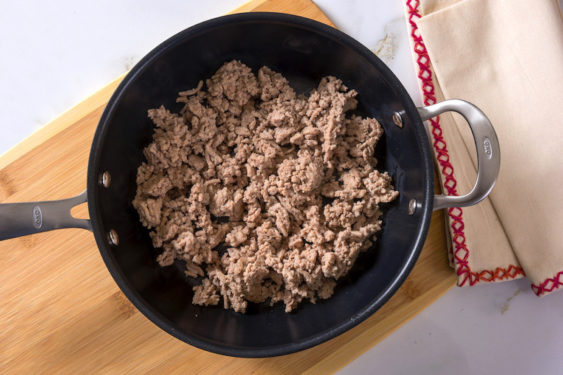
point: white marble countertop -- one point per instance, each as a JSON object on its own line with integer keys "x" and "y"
{"x": 54, "y": 54}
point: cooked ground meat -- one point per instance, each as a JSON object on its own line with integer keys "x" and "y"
{"x": 285, "y": 183}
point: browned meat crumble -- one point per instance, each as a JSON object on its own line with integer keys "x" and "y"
{"x": 285, "y": 183}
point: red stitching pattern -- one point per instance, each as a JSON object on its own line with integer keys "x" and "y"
{"x": 548, "y": 285}
{"x": 499, "y": 274}
{"x": 460, "y": 252}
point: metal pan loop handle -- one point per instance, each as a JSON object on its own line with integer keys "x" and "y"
{"x": 486, "y": 143}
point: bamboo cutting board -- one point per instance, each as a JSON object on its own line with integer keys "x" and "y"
{"x": 61, "y": 312}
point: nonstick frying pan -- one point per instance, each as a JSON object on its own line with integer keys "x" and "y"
{"x": 303, "y": 51}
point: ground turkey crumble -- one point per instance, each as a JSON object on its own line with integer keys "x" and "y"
{"x": 266, "y": 195}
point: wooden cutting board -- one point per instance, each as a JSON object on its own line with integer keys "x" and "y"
{"x": 61, "y": 312}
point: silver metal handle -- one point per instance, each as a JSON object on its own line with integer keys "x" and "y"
{"x": 488, "y": 151}
{"x": 21, "y": 219}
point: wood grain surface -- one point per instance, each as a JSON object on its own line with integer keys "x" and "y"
{"x": 61, "y": 312}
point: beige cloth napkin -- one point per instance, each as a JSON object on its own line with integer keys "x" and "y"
{"x": 506, "y": 57}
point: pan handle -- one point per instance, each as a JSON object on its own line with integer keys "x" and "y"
{"x": 21, "y": 219}
{"x": 488, "y": 151}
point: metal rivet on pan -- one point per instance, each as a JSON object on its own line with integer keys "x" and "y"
{"x": 105, "y": 179}
{"x": 113, "y": 237}
{"x": 398, "y": 119}
{"x": 412, "y": 206}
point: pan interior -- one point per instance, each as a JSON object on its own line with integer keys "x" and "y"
{"x": 303, "y": 51}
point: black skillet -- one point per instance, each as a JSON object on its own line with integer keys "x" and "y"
{"x": 303, "y": 51}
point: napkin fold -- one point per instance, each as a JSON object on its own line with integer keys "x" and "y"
{"x": 506, "y": 57}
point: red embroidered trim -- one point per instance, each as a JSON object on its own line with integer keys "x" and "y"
{"x": 548, "y": 285}
{"x": 460, "y": 252}
{"x": 498, "y": 274}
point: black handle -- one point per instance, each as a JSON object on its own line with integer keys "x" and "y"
{"x": 21, "y": 219}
